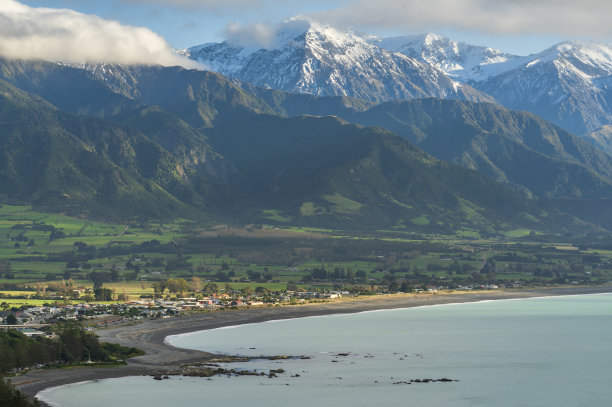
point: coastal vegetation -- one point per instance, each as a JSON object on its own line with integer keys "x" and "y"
{"x": 67, "y": 344}
{"x": 10, "y": 397}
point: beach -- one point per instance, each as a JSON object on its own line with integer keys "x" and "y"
{"x": 149, "y": 335}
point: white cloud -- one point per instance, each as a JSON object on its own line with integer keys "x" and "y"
{"x": 250, "y": 35}
{"x": 256, "y": 36}
{"x": 560, "y": 17}
{"x": 583, "y": 18}
{"x": 209, "y": 4}
{"x": 63, "y": 35}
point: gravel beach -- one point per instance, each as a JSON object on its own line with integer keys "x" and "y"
{"x": 149, "y": 335}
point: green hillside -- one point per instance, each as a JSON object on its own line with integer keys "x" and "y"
{"x": 172, "y": 142}
{"x": 516, "y": 148}
{"x": 79, "y": 164}
{"x": 322, "y": 170}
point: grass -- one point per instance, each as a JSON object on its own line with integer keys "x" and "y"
{"x": 341, "y": 204}
{"x": 275, "y": 215}
{"x": 422, "y": 220}
{"x": 17, "y": 303}
{"x": 309, "y": 209}
{"x": 337, "y": 204}
{"x": 516, "y": 233}
{"x": 207, "y": 257}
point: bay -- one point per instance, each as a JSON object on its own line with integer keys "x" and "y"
{"x": 533, "y": 352}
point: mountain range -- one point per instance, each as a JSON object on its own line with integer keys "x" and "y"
{"x": 567, "y": 84}
{"x": 320, "y": 127}
{"x": 139, "y": 142}
{"x": 308, "y": 57}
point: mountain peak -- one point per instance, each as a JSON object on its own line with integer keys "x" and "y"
{"x": 306, "y": 56}
{"x": 459, "y": 60}
{"x": 430, "y": 38}
{"x": 292, "y": 31}
{"x": 585, "y": 58}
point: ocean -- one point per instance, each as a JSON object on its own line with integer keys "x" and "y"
{"x": 554, "y": 351}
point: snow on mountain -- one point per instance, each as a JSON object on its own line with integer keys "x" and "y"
{"x": 569, "y": 84}
{"x": 464, "y": 62}
{"x": 308, "y": 57}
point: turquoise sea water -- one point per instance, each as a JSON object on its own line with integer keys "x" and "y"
{"x": 537, "y": 352}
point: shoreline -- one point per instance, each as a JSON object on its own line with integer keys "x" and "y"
{"x": 150, "y": 335}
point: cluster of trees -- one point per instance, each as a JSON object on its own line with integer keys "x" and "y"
{"x": 6, "y": 269}
{"x": 338, "y": 274}
{"x": 178, "y": 286}
{"x": 71, "y": 345}
{"x": 10, "y": 397}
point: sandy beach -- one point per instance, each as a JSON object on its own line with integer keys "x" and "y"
{"x": 150, "y": 334}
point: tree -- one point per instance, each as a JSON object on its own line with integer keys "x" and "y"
{"x": 114, "y": 274}
{"x": 156, "y": 289}
{"x": 124, "y": 294}
{"x": 11, "y": 319}
{"x": 253, "y": 275}
{"x": 183, "y": 286}
{"x": 10, "y": 397}
{"x": 196, "y": 284}
{"x": 361, "y": 275}
{"x": 99, "y": 278}
{"x": 103, "y": 294}
{"x": 221, "y": 276}
{"x": 211, "y": 288}
{"x": 405, "y": 287}
{"x": 162, "y": 286}
{"x": 247, "y": 291}
{"x": 172, "y": 285}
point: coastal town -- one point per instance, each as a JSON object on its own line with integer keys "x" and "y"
{"x": 27, "y": 319}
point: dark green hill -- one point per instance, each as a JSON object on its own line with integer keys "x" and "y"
{"x": 204, "y": 145}
{"x": 516, "y": 148}
{"x": 188, "y": 145}
{"x": 78, "y": 164}
{"x": 322, "y": 170}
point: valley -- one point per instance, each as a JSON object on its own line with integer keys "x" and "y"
{"x": 50, "y": 259}
{"x": 334, "y": 162}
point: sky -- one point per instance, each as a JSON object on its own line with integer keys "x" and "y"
{"x": 118, "y": 27}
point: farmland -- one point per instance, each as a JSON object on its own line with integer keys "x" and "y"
{"x": 41, "y": 254}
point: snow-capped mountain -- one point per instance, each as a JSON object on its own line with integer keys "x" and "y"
{"x": 308, "y": 57}
{"x": 463, "y": 62}
{"x": 569, "y": 84}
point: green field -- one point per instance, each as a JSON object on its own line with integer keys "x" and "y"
{"x": 60, "y": 252}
